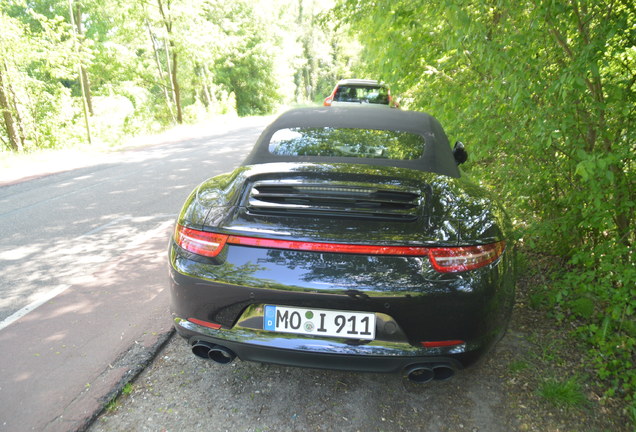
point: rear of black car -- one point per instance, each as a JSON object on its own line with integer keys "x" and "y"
{"x": 341, "y": 265}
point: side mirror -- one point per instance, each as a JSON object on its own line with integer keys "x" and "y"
{"x": 460, "y": 153}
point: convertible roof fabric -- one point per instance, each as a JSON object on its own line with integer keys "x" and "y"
{"x": 437, "y": 157}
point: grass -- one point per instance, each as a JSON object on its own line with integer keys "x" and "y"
{"x": 128, "y": 389}
{"x": 518, "y": 366}
{"x": 114, "y": 403}
{"x": 564, "y": 394}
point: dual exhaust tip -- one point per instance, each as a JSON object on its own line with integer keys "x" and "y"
{"x": 423, "y": 373}
{"x": 418, "y": 373}
{"x": 216, "y": 353}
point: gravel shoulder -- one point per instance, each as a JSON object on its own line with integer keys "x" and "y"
{"x": 180, "y": 392}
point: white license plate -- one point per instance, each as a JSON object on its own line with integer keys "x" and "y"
{"x": 320, "y": 322}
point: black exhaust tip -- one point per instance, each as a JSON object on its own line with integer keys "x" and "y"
{"x": 201, "y": 349}
{"x": 443, "y": 372}
{"x": 419, "y": 374}
{"x": 210, "y": 351}
{"x": 221, "y": 354}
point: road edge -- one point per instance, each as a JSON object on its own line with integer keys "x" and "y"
{"x": 138, "y": 358}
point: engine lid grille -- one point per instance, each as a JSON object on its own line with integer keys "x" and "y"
{"x": 334, "y": 199}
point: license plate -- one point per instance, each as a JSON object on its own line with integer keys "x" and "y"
{"x": 320, "y": 322}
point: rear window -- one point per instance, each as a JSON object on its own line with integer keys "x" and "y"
{"x": 349, "y": 93}
{"x": 334, "y": 142}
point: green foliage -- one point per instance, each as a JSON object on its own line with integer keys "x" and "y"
{"x": 543, "y": 95}
{"x": 146, "y": 65}
{"x": 112, "y": 405}
{"x": 34, "y": 67}
{"x": 567, "y": 394}
{"x": 128, "y": 389}
{"x": 518, "y": 366}
{"x": 324, "y": 53}
{"x": 244, "y": 65}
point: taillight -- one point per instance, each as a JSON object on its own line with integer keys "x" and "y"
{"x": 458, "y": 259}
{"x": 199, "y": 242}
{"x": 444, "y": 259}
{"x": 328, "y": 247}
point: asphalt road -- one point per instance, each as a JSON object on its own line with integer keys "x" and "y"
{"x": 83, "y": 289}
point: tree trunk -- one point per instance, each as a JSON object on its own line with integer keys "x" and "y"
{"x": 164, "y": 87}
{"x": 14, "y": 141}
{"x": 10, "y": 94}
{"x": 87, "y": 89}
{"x": 206, "y": 94}
{"x": 79, "y": 69}
{"x": 176, "y": 92}
{"x": 175, "y": 86}
{"x": 83, "y": 73}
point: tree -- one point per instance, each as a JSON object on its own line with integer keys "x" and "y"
{"x": 171, "y": 52}
{"x": 143, "y": 65}
{"x": 321, "y": 53}
{"x": 75, "y": 13}
{"x": 245, "y": 61}
{"x": 8, "y": 105}
{"x": 37, "y": 59}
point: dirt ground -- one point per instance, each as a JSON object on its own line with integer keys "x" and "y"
{"x": 180, "y": 392}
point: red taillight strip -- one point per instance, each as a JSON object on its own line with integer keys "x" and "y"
{"x": 328, "y": 247}
{"x": 444, "y": 260}
{"x": 444, "y": 343}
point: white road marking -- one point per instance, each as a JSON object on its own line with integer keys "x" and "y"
{"x": 31, "y": 307}
{"x": 159, "y": 229}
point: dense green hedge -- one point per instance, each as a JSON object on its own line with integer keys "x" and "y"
{"x": 542, "y": 93}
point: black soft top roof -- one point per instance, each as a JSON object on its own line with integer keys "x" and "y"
{"x": 437, "y": 158}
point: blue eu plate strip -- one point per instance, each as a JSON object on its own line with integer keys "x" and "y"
{"x": 270, "y": 318}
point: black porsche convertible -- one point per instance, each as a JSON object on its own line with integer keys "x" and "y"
{"x": 348, "y": 239}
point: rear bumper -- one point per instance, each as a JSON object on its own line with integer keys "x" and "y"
{"x": 419, "y": 304}
{"x": 360, "y": 359}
